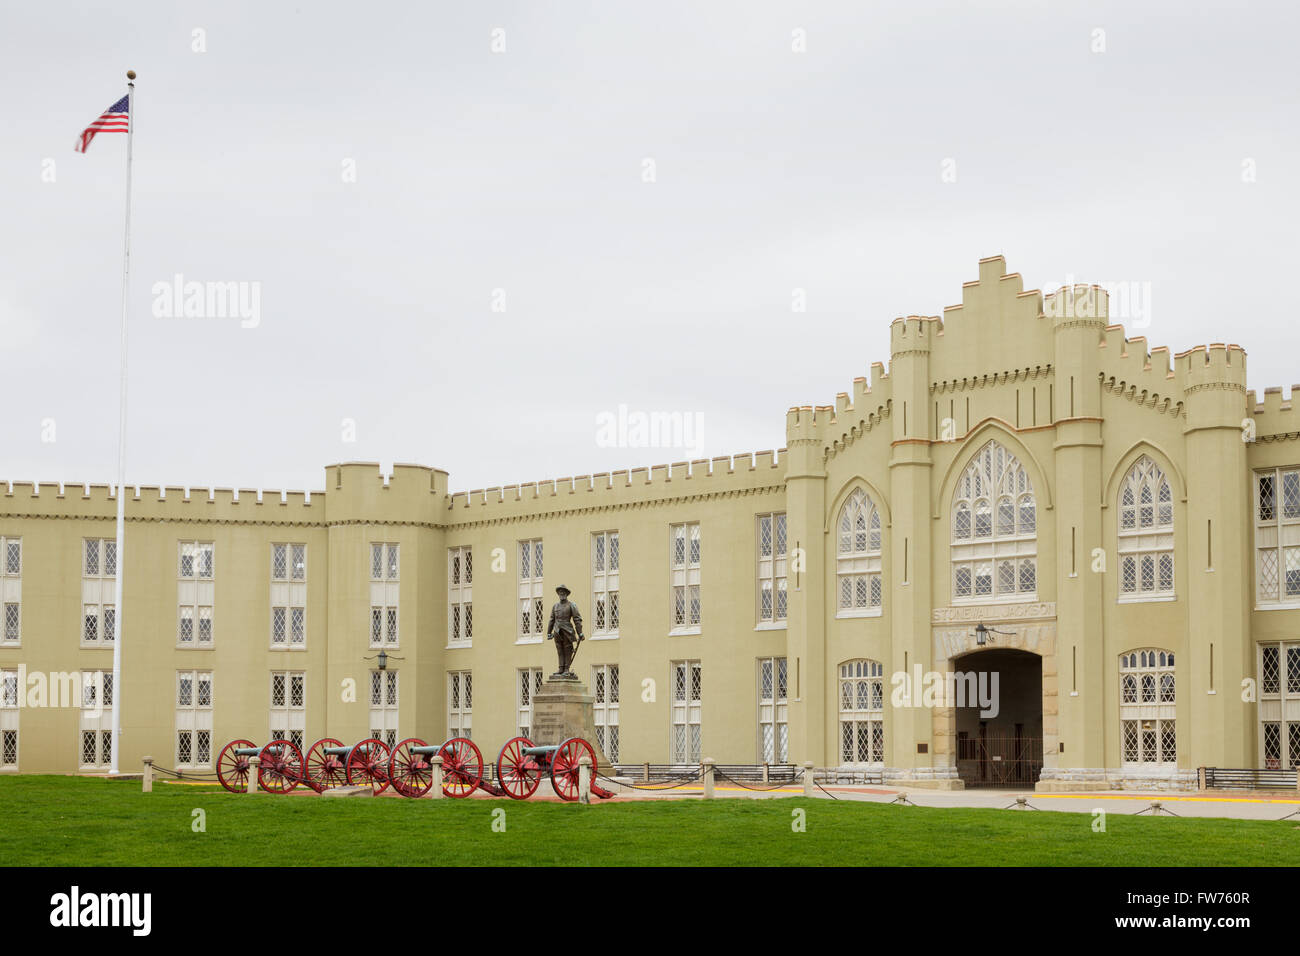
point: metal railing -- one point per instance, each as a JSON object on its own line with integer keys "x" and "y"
{"x": 1228, "y": 778}
{"x": 752, "y": 773}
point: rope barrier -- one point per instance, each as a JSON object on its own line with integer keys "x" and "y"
{"x": 695, "y": 775}
{"x": 793, "y": 781}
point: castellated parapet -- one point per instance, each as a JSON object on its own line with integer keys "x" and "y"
{"x": 163, "y": 503}
{"x": 679, "y": 480}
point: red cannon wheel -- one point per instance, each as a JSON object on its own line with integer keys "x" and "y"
{"x": 410, "y": 773}
{"x": 518, "y": 774}
{"x": 462, "y": 767}
{"x": 368, "y": 763}
{"x": 564, "y": 767}
{"x": 232, "y": 770}
{"x": 279, "y": 767}
{"x": 322, "y": 771}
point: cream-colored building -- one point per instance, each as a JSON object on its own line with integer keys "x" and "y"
{"x": 1124, "y": 521}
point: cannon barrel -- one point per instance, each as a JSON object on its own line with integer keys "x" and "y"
{"x": 540, "y": 751}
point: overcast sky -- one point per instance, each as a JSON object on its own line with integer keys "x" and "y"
{"x": 517, "y": 178}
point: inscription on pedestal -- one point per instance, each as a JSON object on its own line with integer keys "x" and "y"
{"x": 563, "y": 709}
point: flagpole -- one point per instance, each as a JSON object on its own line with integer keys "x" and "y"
{"x": 121, "y": 445}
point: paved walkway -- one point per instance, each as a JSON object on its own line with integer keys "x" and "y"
{"x": 1243, "y": 805}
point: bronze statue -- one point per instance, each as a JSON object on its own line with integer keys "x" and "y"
{"x": 566, "y": 628}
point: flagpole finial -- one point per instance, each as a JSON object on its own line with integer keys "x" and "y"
{"x": 130, "y": 74}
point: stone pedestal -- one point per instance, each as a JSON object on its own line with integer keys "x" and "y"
{"x": 563, "y": 709}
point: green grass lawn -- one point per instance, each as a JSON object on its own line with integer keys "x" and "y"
{"x": 77, "y": 821}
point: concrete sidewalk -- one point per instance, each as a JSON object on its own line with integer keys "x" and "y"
{"x": 1233, "y": 805}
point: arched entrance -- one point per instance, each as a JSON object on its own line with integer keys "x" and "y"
{"x": 998, "y": 717}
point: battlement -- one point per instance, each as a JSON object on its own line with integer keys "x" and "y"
{"x": 1213, "y": 364}
{"x": 1277, "y": 413}
{"x": 161, "y": 503}
{"x": 724, "y": 473}
{"x": 913, "y": 333}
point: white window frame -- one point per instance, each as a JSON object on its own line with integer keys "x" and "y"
{"x": 10, "y": 709}
{"x": 194, "y": 717}
{"x": 385, "y": 585}
{"x": 287, "y": 717}
{"x": 96, "y": 720}
{"x": 531, "y": 617}
{"x": 288, "y": 596}
{"x": 686, "y": 712}
{"x": 686, "y": 609}
{"x": 460, "y": 704}
{"x": 1007, "y": 554}
{"x": 460, "y": 596}
{"x": 1277, "y": 538}
{"x": 98, "y": 614}
{"x": 11, "y": 591}
{"x": 772, "y": 553}
{"x": 528, "y": 681}
{"x": 859, "y": 549}
{"x": 1279, "y": 705}
{"x": 605, "y": 707}
{"x": 773, "y": 710}
{"x": 196, "y": 572}
{"x": 1145, "y": 526}
{"x": 606, "y": 557}
{"x": 1148, "y": 698}
{"x": 861, "y": 697}
{"x": 385, "y": 705}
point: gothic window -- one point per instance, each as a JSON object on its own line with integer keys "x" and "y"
{"x": 994, "y": 530}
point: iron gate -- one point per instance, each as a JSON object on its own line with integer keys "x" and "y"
{"x": 1008, "y": 762}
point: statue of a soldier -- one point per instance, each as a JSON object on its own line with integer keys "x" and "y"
{"x": 566, "y": 628}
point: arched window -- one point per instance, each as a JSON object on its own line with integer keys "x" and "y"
{"x": 994, "y": 530}
{"x": 862, "y": 707}
{"x": 1146, "y": 708}
{"x": 1146, "y": 533}
{"x": 857, "y": 563}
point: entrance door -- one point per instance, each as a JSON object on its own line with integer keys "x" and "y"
{"x": 999, "y": 718}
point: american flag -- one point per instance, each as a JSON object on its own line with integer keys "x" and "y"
{"x": 112, "y": 120}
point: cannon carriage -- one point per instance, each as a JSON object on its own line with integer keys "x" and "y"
{"x": 410, "y": 768}
{"x": 522, "y": 763}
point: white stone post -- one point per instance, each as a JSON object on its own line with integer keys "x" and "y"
{"x": 807, "y": 778}
{"x": 647, "y": 771}
{"x": 707, "y": 763}
{"x": 765, "y": 780}
{"x": 254, "y": 764}
{"x": 148, "y": 774}
{"x": 436, "y": 791}
{"x": 584, "y": 779}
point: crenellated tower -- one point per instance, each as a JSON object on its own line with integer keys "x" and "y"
{"x": 910, "y": 547}
{"x": 807, "y": 431}
{"x": 1220, "y": 556}
{"x": 1079, "y": 316}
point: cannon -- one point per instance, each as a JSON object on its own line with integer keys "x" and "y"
{"x": 410, "y": 768}
{"x": 521, "y": 764}
{"x": 279, "y": 765}
{"x": 330, "y": 763}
